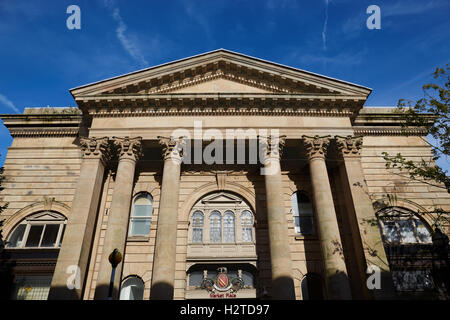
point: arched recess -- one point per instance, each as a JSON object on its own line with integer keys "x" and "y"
{"x": 386, "y": 202}
{"x": 21, "y": 214}
{"x": 200, "y": 192}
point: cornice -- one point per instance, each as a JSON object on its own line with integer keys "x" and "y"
{"x": 43, "y": 132}
{"x": 386, "y": 131}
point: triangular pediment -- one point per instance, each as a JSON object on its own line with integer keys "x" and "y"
{"x": 46, "y": 216}
{"x": 221, "y": 198}
{"x": 220, "y": 71}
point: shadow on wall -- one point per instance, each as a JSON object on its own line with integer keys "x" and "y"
{"x": 161, "y": 291}
{"x": 6, "y": 276}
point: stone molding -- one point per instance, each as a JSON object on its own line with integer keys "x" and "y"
{"x": 173, "y": 148}
{"x": 128, "y": 148}
{"x": 316, "y": 147}
{"x": 45, "y": 132}
{"x": 349, "y": 145}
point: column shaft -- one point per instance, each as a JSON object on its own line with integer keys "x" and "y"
{"x": 163, "y": 275}
{"x": 80, "y": 228}
{"x": 280, "y": 252}
{"x": 116, "y": 233}
{"x": 336, "y": 276}
{"x": 368, "y": 244}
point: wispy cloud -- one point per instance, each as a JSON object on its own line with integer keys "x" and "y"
{"x": 402, "y": 8}
{"x": 4, "y": 100}
{"x": 324, "y": 30}
{"x": 127, "y": 42}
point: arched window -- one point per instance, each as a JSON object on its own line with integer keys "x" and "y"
{"x": 312, "y": 288}
{"x": 141, "y": 215}
{"x": 303, "y": 213}
{"x": 132, "y": 289}
{"x": 41, "y": 230}
{"x": 228, "y": 226}
{"x": 401, "y": 226}
{"x": 247, "y": 226}
{"x": 197, "y": 227}
{"x": 215, "y": 227}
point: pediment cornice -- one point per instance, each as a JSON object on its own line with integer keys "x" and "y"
{"x": 223, "y": 64}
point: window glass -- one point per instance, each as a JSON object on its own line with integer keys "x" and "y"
{"x": 195, "y": 278}
{"x": 422, "y": 232}
{"x": 31, "y": 287}
{"x": 16, "y": 238}
{"x": 140, "y": 227}
{"x": 302, "y": 213}
{"x": 132, "y": 289}
{"x": 247, "y": 226}
{"x": 215, "y": 227}
{"x": 391, "y": 233}
{"x": 407, "y": 231}
{"x": 140, "y": 219}
{"x": 50, "y": 235}
{"x": 197, "y": 227}
{"x": 228, "y": 227}
{"x": 34, "y": 235}
{"x": 248, "y": 279}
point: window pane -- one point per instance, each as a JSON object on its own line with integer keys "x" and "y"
{"x": 228, "y": 227}
{"x": 34, "y": 236}
{"x": 50, "y": 234}
{"x": 132, "y": 289}
{"x": 422, "y": 232}
{"x": 142, "y": 210}
{"x": 197, "y": 219}
{"x": 197, "y": 235}
{"x": 306, "y": 225}
{"x": 62, "y": 235}
{"x": 391, "y": 233}
{"x": 31, "y": 287}
{"x": 196, "y": 278}
{"x": 248, "y": 279}
{"x": 140, "y": 227}
{"x": 407, "y": 231}
{"x": 16, "y": 238}
{"x": 247, "y": 235}
{"x": 297, "y": 224}
{"x": 295, "y": 209}
{"x": 215, "y": 227}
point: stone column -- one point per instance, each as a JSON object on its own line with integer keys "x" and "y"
{"x": 163, "y": 275}
{"x": 367, "y": 242}
{"x": 72, "y": 265}
{"x": 280, "y": 252}
{"x": 336, "y": 276}
{"x": 115, "y": 238}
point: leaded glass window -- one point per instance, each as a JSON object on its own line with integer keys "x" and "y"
{"x": 215, "y": 227}
{"x": 228, "y": 226}
{"x": 197, "y": 227}
{"x": 247, "y": 226}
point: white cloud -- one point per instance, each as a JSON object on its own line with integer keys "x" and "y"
{"x": 324, "y": 30}
{"x": 128, "y": 43}
{"x": 4, "y": 100}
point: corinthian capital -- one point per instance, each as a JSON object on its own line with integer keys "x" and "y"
{"x": 127, "y": 147}
{"x": 173, "y": 148}
{"x": 93, "y": 148}
{"x": 272, "y": 146}
{"x": 316, "y": 146}
{"x": 349, "y": 145}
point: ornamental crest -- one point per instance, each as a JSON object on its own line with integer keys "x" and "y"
{"x": 222, "y": 282}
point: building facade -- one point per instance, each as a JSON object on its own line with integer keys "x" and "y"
{"x": 216, "y": 176}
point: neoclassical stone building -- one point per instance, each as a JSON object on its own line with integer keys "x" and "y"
{"x": 215, "y": 176}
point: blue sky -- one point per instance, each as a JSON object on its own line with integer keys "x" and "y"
{"x": 40, "y": 59}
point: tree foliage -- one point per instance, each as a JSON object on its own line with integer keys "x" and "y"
{"x": 430, "y": 112}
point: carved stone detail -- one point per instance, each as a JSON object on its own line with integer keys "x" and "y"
{"x": 349, "y": 145}
{"x": 173, "y": 148}
{"x": 316, "y": 146}
{"x": 272, "y": 146}
{"x": 95, "y": 147}
{"x": 127, "y": 147}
